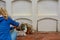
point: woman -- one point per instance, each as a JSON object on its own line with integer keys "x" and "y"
{"x": 5, "y": 22}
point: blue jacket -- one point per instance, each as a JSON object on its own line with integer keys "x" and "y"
{"x": 5, "y": 28}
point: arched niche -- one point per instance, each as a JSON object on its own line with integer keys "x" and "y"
{"x": 21, "y": 8}
{"x": 47, "y": 7}
{"x": 47, "y": 25}
{"x": 24, "y": 20}
{"x": 2, "y": 3}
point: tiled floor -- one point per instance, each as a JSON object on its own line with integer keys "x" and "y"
{"x": 41, "y": 36}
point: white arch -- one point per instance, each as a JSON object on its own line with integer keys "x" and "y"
{"x": 47, "y": 24}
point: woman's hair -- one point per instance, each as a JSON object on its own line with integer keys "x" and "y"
{"x": 3, "y": 12}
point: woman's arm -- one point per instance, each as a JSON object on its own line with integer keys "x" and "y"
{"x": 13, "y": 22}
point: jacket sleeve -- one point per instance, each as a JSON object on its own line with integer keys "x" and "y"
{"x": 14, "y": 23}
{"x": 11, "y": 28}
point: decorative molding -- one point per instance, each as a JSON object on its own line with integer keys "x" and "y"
{"x": 4, "y": 4}
{"x": 49, "y": 19}
{"x": 35, "y": 0}
{"x": 21, "y": 0}
{"x": 24, "y": 19}
{"x": 47, "y": 0}
{"x": 2, "y": 1}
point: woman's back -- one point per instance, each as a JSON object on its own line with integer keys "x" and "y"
{"x": 4, "y": 24}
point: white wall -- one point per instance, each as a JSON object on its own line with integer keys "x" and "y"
{"x": 2, "y": 4}
{"x": 34, "y": 10}
{"x": 22, "y": 8}
{"x": 47, "y": 8}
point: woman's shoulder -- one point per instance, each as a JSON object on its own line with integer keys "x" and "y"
{"x": 9, "y": 18}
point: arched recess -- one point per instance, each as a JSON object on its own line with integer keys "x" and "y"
{"x": 22, "y": 8}
{"x": 2, "y": 4}
{"x": 47, "y": 24}
{"x": 47, "y": 8}
{"x": 24, "y": 20}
